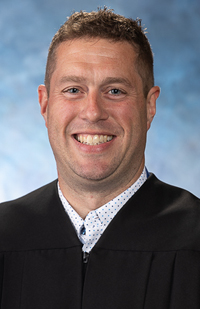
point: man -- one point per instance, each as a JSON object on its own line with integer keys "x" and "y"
{"x": 107, "y": 234}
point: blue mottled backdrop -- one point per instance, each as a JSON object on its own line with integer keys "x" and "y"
{"x": 26, "y": 29}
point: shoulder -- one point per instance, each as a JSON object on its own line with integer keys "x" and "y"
{"x": 158, "y": 217}
{"x": 32, "y": 197}
{"x": 34, "y": 201}
{"x": 171, "y": 200}
{"x": 176, "y": 211}
{"x": 161, "y": 191}
{"x": 32, "y": 212}
{"x": 36, "y": 221}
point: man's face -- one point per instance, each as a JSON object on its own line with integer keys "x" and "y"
{"x": 96, "y": 113}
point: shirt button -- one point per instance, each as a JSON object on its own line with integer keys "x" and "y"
{"x": 83, "y": 230}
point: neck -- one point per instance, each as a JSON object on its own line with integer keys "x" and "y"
{"x": 89, "y": 195}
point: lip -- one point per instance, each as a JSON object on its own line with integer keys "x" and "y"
{"x": 93, "y": 133}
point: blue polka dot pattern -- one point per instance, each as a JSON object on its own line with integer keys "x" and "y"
{"x": 90, "y": 230}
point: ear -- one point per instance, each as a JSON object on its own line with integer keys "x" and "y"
{"x": 151, "y": 104}
{"x": 43, "y": 100}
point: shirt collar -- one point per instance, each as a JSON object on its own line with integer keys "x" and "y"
{"x": 106, "y": 212}
{"x": 119, "y": 201}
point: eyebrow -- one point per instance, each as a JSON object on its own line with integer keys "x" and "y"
{"x": 72, "y": 78}
{"x": 106, "y": 81}
{"x": 116, "y": 80}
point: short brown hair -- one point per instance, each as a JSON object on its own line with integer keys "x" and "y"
{"x": 105, "y": 24}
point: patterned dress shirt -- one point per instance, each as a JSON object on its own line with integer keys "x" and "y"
{"x": 90, "y": 229}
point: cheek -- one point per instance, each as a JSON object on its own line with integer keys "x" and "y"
{"x": 134, "y": 122}
{"x": 128, "y": 116}
{"x": 60, "y": 115}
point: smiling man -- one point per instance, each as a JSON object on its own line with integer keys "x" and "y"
{"x": 106, "y": 234}
{"x": 97, "y": 118}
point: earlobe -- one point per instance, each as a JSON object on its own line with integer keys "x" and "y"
{"x": 43, "y": 100}
{"x": 151, "y": 104}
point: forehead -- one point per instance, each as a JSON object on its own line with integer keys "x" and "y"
{"x": 95, "y": 50}
{"x": 95, "y": 59}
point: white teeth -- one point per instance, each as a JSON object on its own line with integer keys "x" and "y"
{"x": 89, "y": 139}
{"x": 93, "y": 139}
{"x": 109, "y": 138}
{"x": 101, "y": 139}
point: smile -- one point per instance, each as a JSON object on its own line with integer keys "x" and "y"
{"x": 93, "y": 139}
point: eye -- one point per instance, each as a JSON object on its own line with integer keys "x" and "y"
{"x": 73, "y": 93}
{"x": 71, "y": 90}
{"x": 115, "y": 91}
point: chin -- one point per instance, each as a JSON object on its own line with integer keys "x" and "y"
{"x": 94, "y": 174}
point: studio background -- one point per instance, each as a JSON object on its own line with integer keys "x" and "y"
{"x": 26, "y": 29}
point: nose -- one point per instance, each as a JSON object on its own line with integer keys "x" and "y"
{"x": 93, "y": 108}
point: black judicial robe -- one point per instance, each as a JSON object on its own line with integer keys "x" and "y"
{"x": 148, "y": 257}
